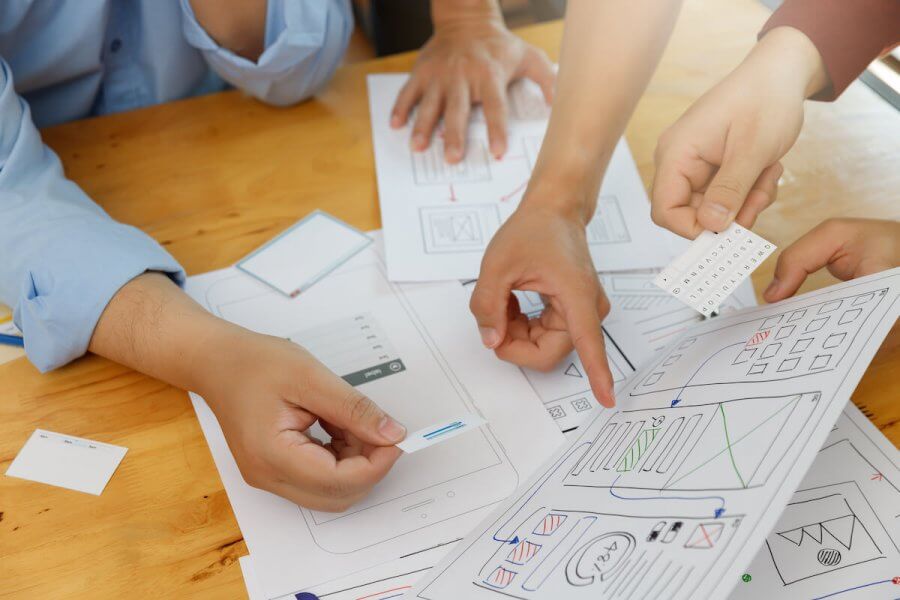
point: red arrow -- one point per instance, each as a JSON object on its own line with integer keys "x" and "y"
{"x": 452, "y": 194}
{"x": 514, "y": 192}
{"x": 877, "y": 477}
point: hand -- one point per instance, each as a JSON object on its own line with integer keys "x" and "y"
{"x": 543, "y": 250}
{"x": 468, "y": 60}
{"x": 719, "y": 162}
{"x": 267, "y": 393}
{"x": 850, "y": 248}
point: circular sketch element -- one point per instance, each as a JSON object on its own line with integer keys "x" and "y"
{"x": 829, "y": 557}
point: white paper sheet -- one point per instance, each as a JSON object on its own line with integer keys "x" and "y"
{"x": 430, "y": 366}
{"x": 673, "y": 493}
{"x": 438, "y": 433}
{"x": 713, "y": 266}
{"x": 438, "y": 218}
{"x": 856, "y": 460}
{"x": 67, "y": 461}
{"x": 839, "y": 536}
{"x": 306, "y": 252}
{"x": 386, "y": 581}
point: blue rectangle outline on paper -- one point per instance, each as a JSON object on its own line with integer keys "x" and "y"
{"x": 325, "y": 271}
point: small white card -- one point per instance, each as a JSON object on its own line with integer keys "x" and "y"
{"x": 440, "y": 432}
{"x": 305, "y": 253}
{"x": 66, "y": 461}
{"x": 713, "y": 266}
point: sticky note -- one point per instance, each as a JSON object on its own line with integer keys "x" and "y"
{"x": 302, "y": 255}
{"x": 66, "y": 461}
{"x": 440, "y": 432}
{"x": 712, "y": 267}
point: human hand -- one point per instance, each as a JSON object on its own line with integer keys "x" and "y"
{"x": 720, "y": 161}
{"x": 544, "y": 250}
{"x": 471, "y": 58}
{"x": 850, "y": 248}
{"x": 266, "y": 393}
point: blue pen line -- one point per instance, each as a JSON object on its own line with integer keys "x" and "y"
{"x": 853, "y": 588}
{"x": 444, "y": 429}
{"x": 12, "y": 340}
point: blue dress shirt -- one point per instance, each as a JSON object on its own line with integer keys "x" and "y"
{"x": 62, "y": 258}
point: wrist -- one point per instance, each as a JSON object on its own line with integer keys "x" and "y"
{"x": 790, "y": 56}
{"x": 454, "y": 13}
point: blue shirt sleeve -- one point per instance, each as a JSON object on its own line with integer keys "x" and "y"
{"x": 305, "y": 42}
{"x": 62, "y": 258}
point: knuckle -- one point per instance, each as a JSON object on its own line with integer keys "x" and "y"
{"x": 359, "y": 408}
{"x": 727, "y": 187}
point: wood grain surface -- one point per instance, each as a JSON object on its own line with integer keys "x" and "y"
{"x": 212, "y": 178}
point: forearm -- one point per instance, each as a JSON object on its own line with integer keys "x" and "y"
{"x": 152, "y": 326}
{"x": 610, "y": 49}
{"x": 788, "y": 56}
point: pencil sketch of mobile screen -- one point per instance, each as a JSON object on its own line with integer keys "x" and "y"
{"x": 359, "y": 325}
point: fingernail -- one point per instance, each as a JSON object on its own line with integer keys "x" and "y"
{"x": 452, "y": 155}
{"x": 489, "y": 337}
{"x": 773, "y": 287}
{"x": 392, "y": 430}
{"x": 497, "y": 150}
{"x": 717, "y": 215}
{"x": 418, "y": 141}
{"x": 395, "y": 120}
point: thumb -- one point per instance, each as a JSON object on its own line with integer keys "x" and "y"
{"x": 339, "y": 403}
{"x": 728, "y": 190}
{"x": 805, "y": 256}
{"x": 538, "y": 68}
{"x": 488, "y": 304}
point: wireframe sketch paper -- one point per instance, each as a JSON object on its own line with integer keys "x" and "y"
{"x": 843, "y": 560}
{"x": 672, "y": 494}
{"x": 415, "y": 351}
{"x": 437, "y": 433}
{"x": 839, "y": 536}
{"x": 438, "y": 218}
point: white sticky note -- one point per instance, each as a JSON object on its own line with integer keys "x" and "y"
{"x": 713, "y": 266}
{"x": 302, "y": 255}
{"x": 440, "y": 432}
{"x": 67, "y": 461}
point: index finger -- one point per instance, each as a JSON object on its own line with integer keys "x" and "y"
{"x": 582, "y": 315}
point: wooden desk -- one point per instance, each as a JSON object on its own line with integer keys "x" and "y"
{"x": 212, "y": 178}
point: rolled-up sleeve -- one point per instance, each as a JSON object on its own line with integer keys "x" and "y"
{"x": 849, "y": 34}
{"x": 305, "y": 42}
{"x": 62, "y": 258}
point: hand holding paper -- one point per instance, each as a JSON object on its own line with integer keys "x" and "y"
{"x": 268, "y": 393}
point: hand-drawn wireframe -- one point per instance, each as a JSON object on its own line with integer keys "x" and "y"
{"x": 531, "y": 146}
{"x": 705, "y": 468}
{"x": 458, "y": 228}
{"x": 823, "y": 530}
{"x": 430, "y": 168}
{"x": 526, "y": 103}
{"x": 608, "y": 225}
{"x": 838, "y": 536}
{"x": 545, "y": 552}
{"x": 734, "y": 444}
{"x": 356, "y": 348}
{"x": 800, "y": 350}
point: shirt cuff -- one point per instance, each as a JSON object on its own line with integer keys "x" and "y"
{"x": 68, "y": 287}
{"x": 849, "y": 34}
{"x": 305, "y": 42}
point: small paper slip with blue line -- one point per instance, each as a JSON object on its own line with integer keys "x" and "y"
{"x": 305, "y": 253}
{"x": 440, "y": 432}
